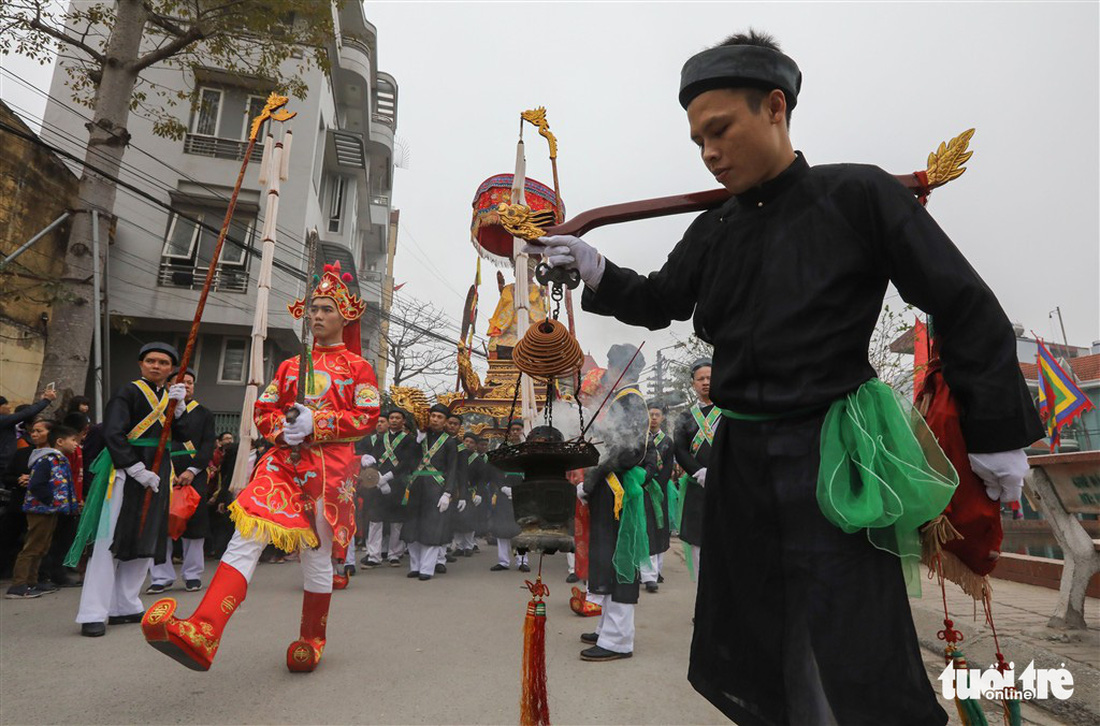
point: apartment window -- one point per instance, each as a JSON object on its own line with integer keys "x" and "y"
{"x": 234, "y": 361}
{"x": 337, "y": 191}
{"x": 204, "y": 122}
{"x": 253, "y": 107}
{"x": 189, "y": 247}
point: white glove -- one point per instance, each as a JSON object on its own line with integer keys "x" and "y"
{"x": 367, "y": 460}
{"x": 1002, "y": 473}
{"x": 178, "y": 392}
{"x": 444, "y": 502}
{"x": 461, "y": 506}
{"x": 420, "y": 436}
{"x": 573, "y": 253}
{"x": 701, "y": 476}
{"x": 384, "y": 487}
{"x": 143, "y": 476}
{"x": 295, "y": 433}
{"x": 506, "y": 491}
{"x": 477, "y": 500}
{"x": 580, "y": 493}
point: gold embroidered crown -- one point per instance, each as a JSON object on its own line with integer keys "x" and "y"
{"x": 333, "y": 284}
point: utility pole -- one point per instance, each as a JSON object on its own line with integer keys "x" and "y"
{"x": 660, "y": 376}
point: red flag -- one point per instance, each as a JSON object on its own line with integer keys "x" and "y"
{"x": 920, "y": 356}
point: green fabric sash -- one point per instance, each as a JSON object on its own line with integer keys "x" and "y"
{"x": 882, "y": 470}
{"x": 654, "y": 488}
{"x": 632, "y": 545}
{"x": 93, "y": 525}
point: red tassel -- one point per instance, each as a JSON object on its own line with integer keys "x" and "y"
{"x": 534, "y": 705}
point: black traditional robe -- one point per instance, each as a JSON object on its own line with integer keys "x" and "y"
{"x": 623, "y": 428}
{"x": 787, "y": 282}
{"x": 433, "y": 476}
{"x": 692, "y": 458}
{"x": 658, "y": 468}
{"x": 469, "y": 467}
{"x": 406, "y": 451}
{"x": 123, "y": 411}
{"x": 199, "y": 424}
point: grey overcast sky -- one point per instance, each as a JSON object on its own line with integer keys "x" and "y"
{"x": 883, "y": 83}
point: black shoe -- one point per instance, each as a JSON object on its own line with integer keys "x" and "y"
{"x": 651, "y": 587}
{"x": 193, "y": 585}
{"x": 524, "y": 568}
{"x": 498, "y": 568}
{"x": 660, "y": 578}
{"x": 155, "y": 589}
{"x": 467, "y": 553}
{"x": 425, "y": 578}
{"x": 125, "y": 619}
{"x": 370, "y": 564}
{"x": 413, "y": 574}
{"x": 596, "y": 653}
{"x": 46, "y": 588}
{"x": 572, "y": 577}
{"x": 93, "y": 630}
{"x": 451, "y": 558}
{"x": 21, "y": 592}
{"x": 590, "y": 638}
{"x": 476, "y": 548}
{"x": 349, "y": 570}
{"x": 440, "y": 569}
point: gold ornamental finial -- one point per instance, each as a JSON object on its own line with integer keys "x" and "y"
{"x": 946, "y": 162}
{"x": 537, "y": 117}
{"x": 275, "y": 102}
{"x": 521, "y": 222}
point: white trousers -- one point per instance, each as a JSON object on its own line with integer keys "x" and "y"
{"x": 193, "y": 563}
{"x": 504, "y": 554}
{"x": 111, "y": 587}
{"x": 571, "y": 562}
{"x": 616, "y": 626}
{"x": 693, "y": 553}
{"x": 374, "y": 541}
{"x": 396, "y": 545}
{"x": 243, "y": 554}
{"x": 651, "y": 568}
{"x": 463, "y": 541}
{"x": 423, "y": 558}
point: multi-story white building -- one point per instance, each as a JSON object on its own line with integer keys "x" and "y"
{"x": 341, "y": 178}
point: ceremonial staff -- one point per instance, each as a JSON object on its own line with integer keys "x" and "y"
{"x": 305, "y": 359}
{"x": 271, "y": 110}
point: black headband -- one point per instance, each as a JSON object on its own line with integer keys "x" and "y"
{"x": 735, "y": 66}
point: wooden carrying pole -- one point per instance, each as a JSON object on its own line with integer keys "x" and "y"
{"x": 271, "y": 110}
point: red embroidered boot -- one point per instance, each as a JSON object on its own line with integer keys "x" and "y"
{"x": 194, "y": 641}
{"x": 580, "y": 605}
{"x": 304, "y": 654}
{"x": 339, "y": 582}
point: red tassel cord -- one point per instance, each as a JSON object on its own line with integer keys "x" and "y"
{"x": 534, "y": 706}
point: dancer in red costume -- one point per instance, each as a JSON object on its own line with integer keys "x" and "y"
{"x": 306, "y": 504}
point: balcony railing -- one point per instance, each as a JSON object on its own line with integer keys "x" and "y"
{"x": 232, "y": 149}
{"x": 226, "y": 279}
{"x": 382, "y": 199}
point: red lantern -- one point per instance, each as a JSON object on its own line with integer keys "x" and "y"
{"x": 490, "y": 239}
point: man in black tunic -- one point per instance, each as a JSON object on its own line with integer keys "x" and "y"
{"x": 469, "y": 498}
{"x": 798, "y": 622}
{"x": 615, "y": 492}
{"x": 397, "y": 453}
{"x": 190, "y": 471}
{"x": 503, "y": 523}
{"x": 658, "y": 469}
{"x": 694, "y": 437}
{"x": 132, "y": 423}
{"x": 430, "y": 494}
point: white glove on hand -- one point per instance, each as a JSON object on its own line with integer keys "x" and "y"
{"x": 701, "y": 476}
{"x": 178, "y": 392}
{"x": 461, "y": 506}
{"x": 420, "y": 436}
{"x": 295, "y": 433}
{"x": 444, "y": 502}
{"x": 1002, "y": 473}
{"x": 571, "y": 252}
{"x": 581, "y": 495}
{"x": 384, "y": 482}
{"x": 506, "y": 491}
{"x": 367, "y": 460}
{"x": 143, "y": 476}
{"x": 477, "y": 500}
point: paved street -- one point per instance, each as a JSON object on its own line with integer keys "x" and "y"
{"x": 445, "y": 651}
{"x": 400, "y": 651}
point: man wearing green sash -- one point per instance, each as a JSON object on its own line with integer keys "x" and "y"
{"x": 694, "y": 438}
{"x": 819, "y": 477}
{"x": 658, "y": 469}
{"x": 124, "y": 550}
{"x": 430, "y": 494}
{"x": 614, "y": 490}
{"x": 397, "y": 453}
